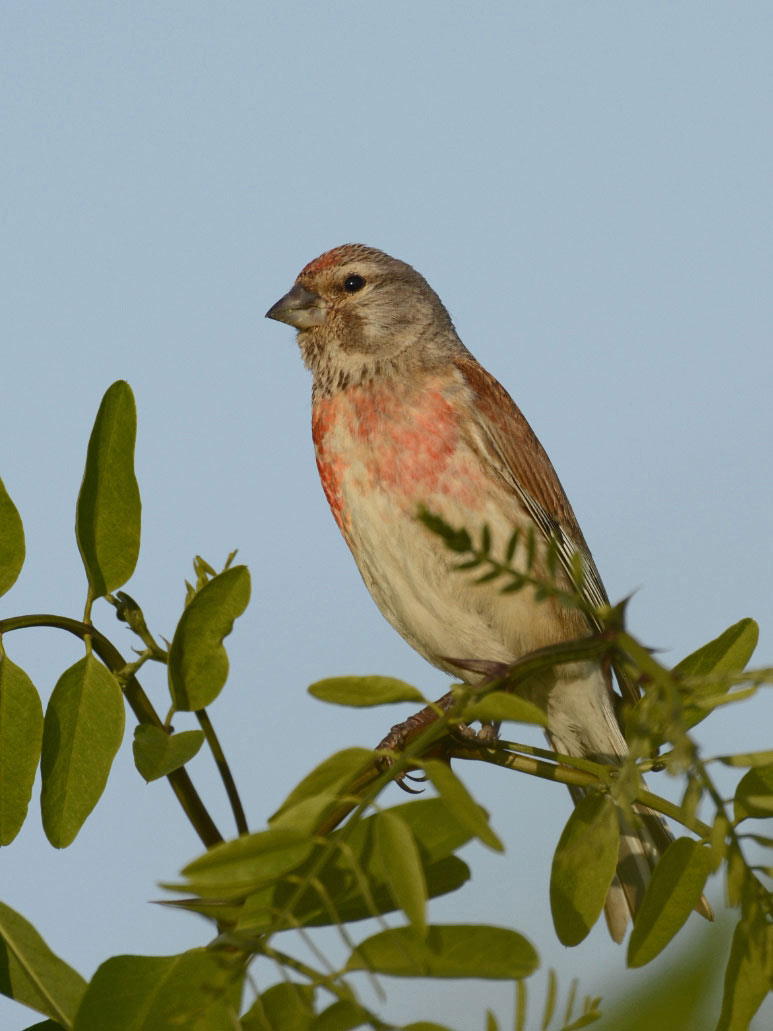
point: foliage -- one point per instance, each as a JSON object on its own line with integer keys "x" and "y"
{"x": 331, "y": 855}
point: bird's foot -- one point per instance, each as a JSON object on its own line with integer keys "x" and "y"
{"x": 403, "y": 733}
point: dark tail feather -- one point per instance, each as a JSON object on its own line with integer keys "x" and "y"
{"x": 640, "y": 848}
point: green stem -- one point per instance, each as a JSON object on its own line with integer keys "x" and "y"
{"x": 762, "y": 894}
{"x": 670, "y": 809}
{"x": 140, "y": 704}
{"x": 596, "y": 769}
{"x": 533, "y": 767}
{"x": 341, "y": 991}
{"x": 576, "y": 778}
{"x": 89, "y": 603}
{"x": 224, "y": 770}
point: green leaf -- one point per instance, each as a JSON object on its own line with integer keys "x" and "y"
{"x": 21, "y": 735}
{"x": 283, "y": 1007}
{"x": 107, "y": 522}
{"x": 245, "y": 864}
{"x": 212, "y": 909}
{"x": 157, "y": 753}
{"x": 587, "y": 1018}
{"x": 11, "y": 541}
{"x": 487, "y": 578}
{"x": 521, "y": 1006}
{"x": 437, "y": 830}
{"x": 748, "y": 758}
{"x": 425, "y": 1025}
{"x": 196, "y": 990}
{"x": 461, "y": 803}
{"x": 198, "y": 664}
{"x": 437, "y": 834}
{"x": 759, "y": 839}
{"x": 717, "y": 840}
{"x": 450, "y": 950}
{"x": 325, "y": 780}
{"x": 735, "y": 875}
{"x": 31, "y": 974}
{"x": 456, "y": 540}
{"x": 583, "y": 867}
{"x": 698, "y": 708}
{"x": 472, "y": 563}
{"x": 401, "y": 863}
{"x": 501, "y": 705}
{"x": 672, "y": 893}
{"x": 550, "y": 999}
{"x": 347, "y": 894}
{"x": 361, "y": 692}
{"x": 82, "y": 731}
{"x": 512, "y": 544}
{"x": 353, "y": 877}
{"x": 749, "y": 974}
{"x": 726, "y": 655}
{"x": 754, "y": 794}
{"x": 341, "y": 1016}
{"x": 45, "y": 1025}
{"x": 307, "y": 814}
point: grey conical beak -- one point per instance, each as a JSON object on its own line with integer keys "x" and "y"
{"x": 300, "y": 308}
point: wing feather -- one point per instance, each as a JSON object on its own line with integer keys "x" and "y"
{"x": 512, "y": 447}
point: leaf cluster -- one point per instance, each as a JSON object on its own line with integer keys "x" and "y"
{"x": 332, "y": 855}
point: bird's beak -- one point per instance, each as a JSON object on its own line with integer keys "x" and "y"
{"x": 300, "y": 308}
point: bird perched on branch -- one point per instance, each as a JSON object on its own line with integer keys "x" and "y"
{"x": 404, "y": 418}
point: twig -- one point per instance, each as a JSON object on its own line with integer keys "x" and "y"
{"x": 140, "y": 704}
{"x": 224, "y": 770}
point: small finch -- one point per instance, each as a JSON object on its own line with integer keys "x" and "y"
{"x": 404, "y": 418}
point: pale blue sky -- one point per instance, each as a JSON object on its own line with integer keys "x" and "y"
{"x": 588, "y": 187}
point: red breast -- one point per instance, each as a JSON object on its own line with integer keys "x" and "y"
{"x": 386, "y": 438}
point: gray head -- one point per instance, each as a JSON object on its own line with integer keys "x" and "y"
{"x": 361, "y": 314}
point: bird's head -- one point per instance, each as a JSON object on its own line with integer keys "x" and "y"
{"x": 362, "y": 314}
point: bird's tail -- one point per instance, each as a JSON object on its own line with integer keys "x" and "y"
{"x": 641, "y": 845}
{"x": 583, "y": 723}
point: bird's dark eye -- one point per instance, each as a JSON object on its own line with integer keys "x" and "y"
{"x": 353, "y": 283}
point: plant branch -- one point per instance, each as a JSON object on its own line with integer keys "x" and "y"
{"x": 140, "y": 704}
{"x": 341, "y": 991}
{"x": 224, "y": 770}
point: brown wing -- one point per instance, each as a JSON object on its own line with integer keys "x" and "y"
{"x": 516, "y": 443}
{"x": 512, "y": 446}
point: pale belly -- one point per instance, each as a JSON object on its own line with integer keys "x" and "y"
{"x": 444, "y": 615}
{"x": 410, "y": 573}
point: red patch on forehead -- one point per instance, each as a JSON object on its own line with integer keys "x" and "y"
{"x": 324, "y": 261}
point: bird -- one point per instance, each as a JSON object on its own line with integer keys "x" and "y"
{"x": 405, "y": 418}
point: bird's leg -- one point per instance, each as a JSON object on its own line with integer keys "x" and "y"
{"x": 488, "y": 732}
{"x": 403, "y": 733}
{"x": 491, "y": 671}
